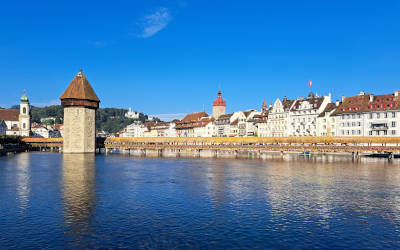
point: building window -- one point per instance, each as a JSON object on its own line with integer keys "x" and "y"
{"x": 393, "y": 124}
{"x": 386, "y": 115}
{"x": 393, "y": 132}
{"x": 23, "y": 125}
{"x": 359, "y": 132}
{"x": 384, "y": 132}
{"x": 370, "y": 132}
{"x": 24, "y": 110}
{"x": 393, "y": 114}
{"x": 378, "y": 115}
{"x": 370, "y": 115}
{"x": 353, "y": 116}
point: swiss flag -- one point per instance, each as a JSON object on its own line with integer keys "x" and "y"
{"x": 310, "y": 83}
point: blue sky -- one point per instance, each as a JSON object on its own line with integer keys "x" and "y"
{"x": 167, "y": 57}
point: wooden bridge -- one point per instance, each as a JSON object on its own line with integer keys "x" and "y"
{"x": 259, "y": 145}
{"x": 215, "y": 145}
{"x": 53, "y": 144}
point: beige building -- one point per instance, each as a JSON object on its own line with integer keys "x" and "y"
{"x": 326, "y": 122}
{"x": 278, "y": 118}
{"x": 80, "y": 103}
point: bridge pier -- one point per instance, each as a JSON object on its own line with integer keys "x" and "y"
{"x": 390, "y": 156}
{"x": 355, "y": 155}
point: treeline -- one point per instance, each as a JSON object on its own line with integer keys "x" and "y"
{"x": 107, "y": 119}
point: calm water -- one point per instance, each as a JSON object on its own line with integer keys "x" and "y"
{"x": 82, "y": 201}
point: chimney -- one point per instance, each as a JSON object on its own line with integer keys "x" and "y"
{"x": 337, "y": 103}
{"x": 343, "y": 98}
{"x": 396, "y": 93}
{"x": 371, "y": 98}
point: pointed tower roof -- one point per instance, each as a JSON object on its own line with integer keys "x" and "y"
{"x": 219, "y": 101}
{"x": 264, "y": 105}
{"x": 80, "y": 89}
{"x": 79, "y": 93}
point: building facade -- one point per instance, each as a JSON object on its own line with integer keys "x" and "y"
{"x": 326, "y": 122}
{"x": 369, "y": 115}
{"x": 278, "y": 118}
{"x": 304, "y": 113}
{"x": 18, "y": 122}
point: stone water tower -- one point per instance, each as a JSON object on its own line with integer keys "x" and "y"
{"x": 80, "y": 103}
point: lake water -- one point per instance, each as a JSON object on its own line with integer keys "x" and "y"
{"x": 85, "y": 201}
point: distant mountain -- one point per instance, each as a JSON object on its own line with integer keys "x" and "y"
{"x": 107, "y": 119}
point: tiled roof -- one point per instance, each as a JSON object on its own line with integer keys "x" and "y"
{"x": 235, "y": 122}
{"x": 194, "y": 116}
{"x": 330, "y": 107}
{"x": 59, "y": 126}
{"x": 9, "y": 114}
{"x": 80, "y": 89}
{"x": 287, "y": 104}
{"x": 315, "y": 102}
{"x": 368, "y": 103}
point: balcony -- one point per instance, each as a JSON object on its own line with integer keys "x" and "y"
{"x": 379, "y": 126}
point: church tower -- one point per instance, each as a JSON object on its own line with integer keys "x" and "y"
{"x": 264, "y": 108}
{"x": 219, "y": 106}
{"x": 24, "y": 116}
{"x": 80, "y": 103}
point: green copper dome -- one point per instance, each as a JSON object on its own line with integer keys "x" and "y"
{"x": 24, "y": 98}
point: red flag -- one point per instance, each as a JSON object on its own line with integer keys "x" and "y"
{"x": 310, "y": 83}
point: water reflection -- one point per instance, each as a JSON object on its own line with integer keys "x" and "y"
{"x": 79, "y": 195}
{"x": 23, "y": 179}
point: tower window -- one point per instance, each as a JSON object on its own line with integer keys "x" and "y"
{"x": 24, "y": 110}
{"x": 23, "y": 125}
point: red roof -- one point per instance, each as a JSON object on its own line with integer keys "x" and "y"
{"x": 59, "y": 126}
{"x": 368, "y": 103}
{"x": 219, "y": 101}
{"x": 9, "y": 114}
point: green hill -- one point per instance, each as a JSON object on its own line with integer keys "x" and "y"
{"x": 107, "y": 119}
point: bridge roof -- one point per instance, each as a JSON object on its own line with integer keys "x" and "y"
{"x": 80, "y": 89}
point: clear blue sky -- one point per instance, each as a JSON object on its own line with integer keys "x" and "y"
{"x": 172, "y": 56}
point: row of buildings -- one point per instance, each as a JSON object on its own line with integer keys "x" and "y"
{"x": 360, "y": 115}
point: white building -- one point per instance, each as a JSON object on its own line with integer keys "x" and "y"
{"x": 369, "y": 115}
{"x": 132, "y": 114}
{"x": 40, "y": 131}
{"x": 222, "y": 125}
{"x": 18, "y": 122}
{"x": 135, "y": 129}
{"x": 204, "y": 128}
{"x": 304, "y": 113}
{"x": 238, "y": 124}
